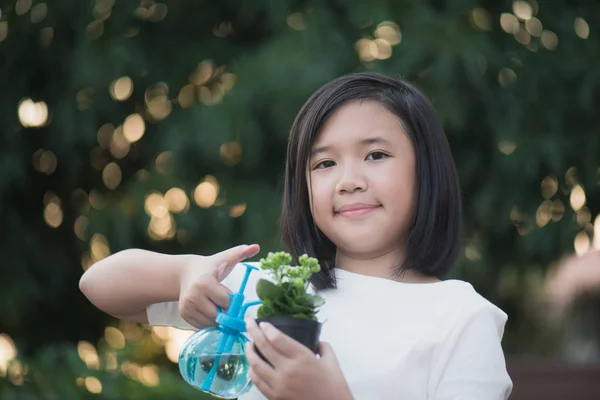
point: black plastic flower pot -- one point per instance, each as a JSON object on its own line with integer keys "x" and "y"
{"x": 305, "y": 331}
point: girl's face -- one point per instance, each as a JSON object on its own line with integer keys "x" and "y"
{"x": 361, "y": 178}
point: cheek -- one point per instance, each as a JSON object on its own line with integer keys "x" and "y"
{"x": 396, "y": 186}
{"x": 320, "y": 197}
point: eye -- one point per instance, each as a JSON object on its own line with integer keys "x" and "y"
{"x": 377, "y": 155}
{"x": 324, "y": 164}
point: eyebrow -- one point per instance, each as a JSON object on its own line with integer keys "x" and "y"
{"x": 368, "y": 141}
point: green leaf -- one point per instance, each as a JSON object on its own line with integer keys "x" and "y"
{"x": 304, "y": 316}
{"x": 316, "y": 301}
{"x": 268, "y": 290}
{"x": 266, "y": 309}
{"x": 286, "y": 305}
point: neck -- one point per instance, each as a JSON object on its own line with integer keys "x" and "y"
{"x": 384, "y": 264}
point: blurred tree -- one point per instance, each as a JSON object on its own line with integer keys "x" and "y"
{"x": 69, "y": 373}
{"x": 164, "y": 126}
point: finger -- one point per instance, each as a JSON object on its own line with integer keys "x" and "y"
{"x": 202, "y": 310}
{"x": 326, "y": 352}
{"x": 261, "y": 373}
{"x": 261, "y": 385}
{"x": 199, "y": 318}
{"x": 205, "y": 321}
{"x": 282, "y": 343}
{"x": 205, "y": 310}
{"x": 218, "y": 294}
{"x": 227, "y": 259}
{"x": 262, "y": 344}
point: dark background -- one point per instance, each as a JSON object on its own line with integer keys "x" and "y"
{"x": 164, "y": 125}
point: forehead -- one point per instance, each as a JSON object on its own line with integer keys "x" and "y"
{"x": 356, "y": 121}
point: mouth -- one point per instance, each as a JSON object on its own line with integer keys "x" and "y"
{"x": 356, "y": 210}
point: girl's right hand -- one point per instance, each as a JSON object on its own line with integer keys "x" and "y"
{"x": 200, "y": 285}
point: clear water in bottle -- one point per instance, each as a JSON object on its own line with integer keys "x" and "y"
{"x": 224, "y": 375}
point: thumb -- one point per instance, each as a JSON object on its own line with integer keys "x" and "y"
{"x": 227, "y": 259}
{"x": 326, "y": 352}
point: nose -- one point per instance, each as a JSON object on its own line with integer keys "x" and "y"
{"x": 351, "y": 180}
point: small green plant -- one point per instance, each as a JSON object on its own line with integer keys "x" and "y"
{"x": 287, "y": 295}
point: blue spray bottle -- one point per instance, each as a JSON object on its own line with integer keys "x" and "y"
{"x": 213, "y": 359}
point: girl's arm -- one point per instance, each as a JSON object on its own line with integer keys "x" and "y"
{"x": 124, "y": 284}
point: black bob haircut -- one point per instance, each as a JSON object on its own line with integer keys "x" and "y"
{"x": 434, "y": 239}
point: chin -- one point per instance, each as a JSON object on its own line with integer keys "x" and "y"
{"x": 363, "y": 244}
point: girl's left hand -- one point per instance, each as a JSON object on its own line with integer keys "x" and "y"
{"x": 296, "y": 373}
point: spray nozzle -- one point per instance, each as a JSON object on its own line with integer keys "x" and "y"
{"x": 233, "y": 318}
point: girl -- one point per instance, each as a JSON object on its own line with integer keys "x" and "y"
{"x": 372, "y": 192}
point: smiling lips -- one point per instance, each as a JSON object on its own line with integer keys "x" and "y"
{"x": 356, "y": 209}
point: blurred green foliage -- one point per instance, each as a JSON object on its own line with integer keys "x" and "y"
{"x": 59, "y": 372}
{"x": 217, "y": 86}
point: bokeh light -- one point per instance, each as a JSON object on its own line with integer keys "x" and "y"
{"x": 134, "y": 128}
{"x": 582, "y": 29}
{"x": 121, "y": 88}
{"x": 176, "y": 200}
{"x": 112, "y": 175}
{"x": 206, "y": 192}
{"x": 522, "y": 10}
{"x": 33, "y": 114}
{"x": 577, "y": 198}
{"x": 53, "y": 213}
